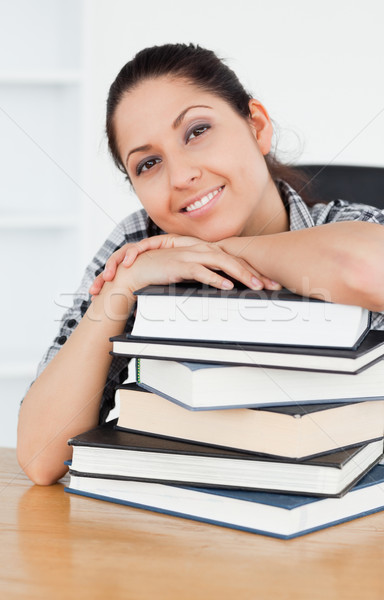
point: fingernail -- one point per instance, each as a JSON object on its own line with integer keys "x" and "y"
{"x": 227, "y": 285}
{"x": 256, "y": 283}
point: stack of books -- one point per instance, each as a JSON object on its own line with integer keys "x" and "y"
{"x": 260, "y": 411}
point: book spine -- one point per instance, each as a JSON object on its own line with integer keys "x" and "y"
{"x": 138, "y": 370}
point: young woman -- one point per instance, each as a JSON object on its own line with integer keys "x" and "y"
{"x": 197, "y": 150}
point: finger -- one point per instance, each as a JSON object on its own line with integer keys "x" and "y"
{"x": 97, "y": 285}
{"x": 113, "y": 262}
{"x": 259, "y": 281}
{"x": 130, "y": 256}
{"x": 268, "y": 283}
{"x": 132, "y": 252}
{"x": 236, "y": 268}
{"x": 204, "y": 275}
{"x": 180, "y": 241}
{"x": 172, "y": 240}
{"x": 156, "y": 242}
{"x": 205, "y": 267}
{"x": 152, "y": 243}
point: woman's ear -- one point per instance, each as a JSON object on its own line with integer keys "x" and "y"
{"x": 261, "y": 125}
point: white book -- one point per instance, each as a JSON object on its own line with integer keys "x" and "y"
{"x": 210, "y": 386}
{"x": 197, "y": 312}
{"x": 277, "y": 515}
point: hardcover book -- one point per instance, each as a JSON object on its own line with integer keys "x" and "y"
{"x": 112, "y": 453}
{"x": 278, "y": 515}
{"x": 292, "y": 431}
{"x": 208, "y": 386}
{"x": 190, "y": 310}
{"x": 337, "y": 360}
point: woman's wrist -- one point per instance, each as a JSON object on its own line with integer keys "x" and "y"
{"x": 112, "y": 306}
{"x": 237, "y": 246}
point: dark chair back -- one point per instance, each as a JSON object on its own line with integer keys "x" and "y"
{"x": 355, "y": 184}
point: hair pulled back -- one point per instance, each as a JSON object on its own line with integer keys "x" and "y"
{"x": 200, "y": 67}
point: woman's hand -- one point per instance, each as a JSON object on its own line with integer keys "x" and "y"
{"x": 156, "y": 242}
{"x": 127, "y": 254}
{"x": 203, "y": 262}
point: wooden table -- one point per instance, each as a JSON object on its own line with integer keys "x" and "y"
{"x": 57, "y": 545}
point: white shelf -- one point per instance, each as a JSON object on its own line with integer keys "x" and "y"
{"x": 41, "y": 78}
{"x": 36, "y": 222}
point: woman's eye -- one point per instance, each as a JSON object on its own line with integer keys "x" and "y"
{"x": 196, "y": 131}
{"x": 146, "y": 165}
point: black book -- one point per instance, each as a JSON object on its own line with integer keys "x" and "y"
{"x": 190, "y": 310}
{"x": 108, "y": 452}
{"x": 339, "y": 360}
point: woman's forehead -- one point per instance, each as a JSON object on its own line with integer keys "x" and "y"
{"x": 164, "y": 90}
{"x": 157, "y": 103}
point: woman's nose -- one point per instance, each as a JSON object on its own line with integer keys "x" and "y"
{"x": 182, "y": 172}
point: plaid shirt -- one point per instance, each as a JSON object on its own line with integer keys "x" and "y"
{"x": 137, "y": 226}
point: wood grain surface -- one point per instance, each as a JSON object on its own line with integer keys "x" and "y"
{"x": 56, "y": 545}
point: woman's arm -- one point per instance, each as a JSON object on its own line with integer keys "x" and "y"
{"x": 340, "y": 262}
{"x": 65, "y": 399}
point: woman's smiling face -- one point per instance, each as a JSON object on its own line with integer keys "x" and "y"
{"x": 196, "y": 165}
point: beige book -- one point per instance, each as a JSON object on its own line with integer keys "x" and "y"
{"x": 286, "y": 431}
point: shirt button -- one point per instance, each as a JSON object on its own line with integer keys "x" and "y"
{"x": 71, "y": 323}
{"x": 62, "y": 339}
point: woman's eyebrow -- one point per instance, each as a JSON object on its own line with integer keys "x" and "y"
{"x": 175, "y": 125}
{"x": 144, "y": 148}
{"x": 181, "y": 116}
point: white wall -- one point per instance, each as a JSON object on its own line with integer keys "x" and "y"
{"x": 316, "y": 66}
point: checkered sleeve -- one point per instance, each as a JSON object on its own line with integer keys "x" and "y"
{"x": 340, "y": 210}
{"x": 132, "y": 229}
{"x": 302, "y": 216}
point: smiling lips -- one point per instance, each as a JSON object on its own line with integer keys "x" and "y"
{"x": 202, "y": 201}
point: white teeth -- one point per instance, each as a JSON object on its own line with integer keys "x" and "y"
{"x": 204, "y": 200}
{"x": 199, "y": 203}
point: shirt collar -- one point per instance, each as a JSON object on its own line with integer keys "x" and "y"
{"x": 299, "y": 215}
